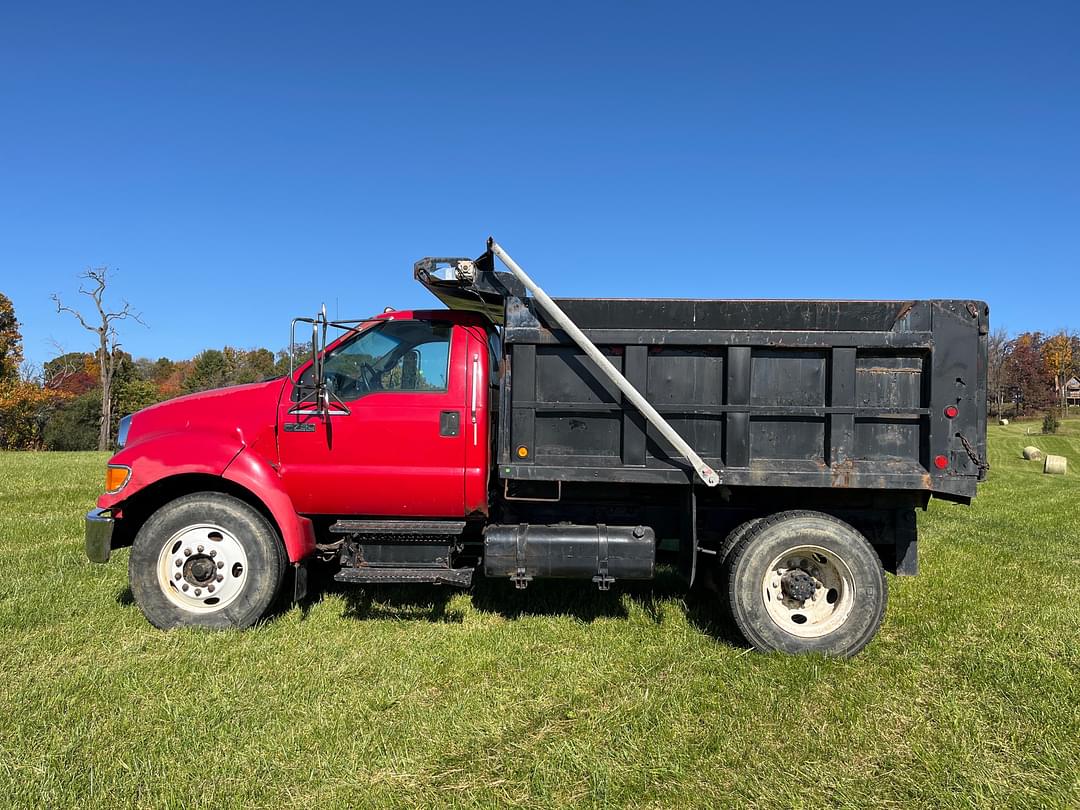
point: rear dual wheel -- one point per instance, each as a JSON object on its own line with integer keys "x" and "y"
{"x": 802, "y": 581}
{"x": 206, "y": 560}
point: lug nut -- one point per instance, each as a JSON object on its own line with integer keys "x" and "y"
{"x": 200, "y": 549}
{"x": 220, "y": 564}
{"x": 179, "y": 563}
{"x": 177, "y": 577}
{"x": 185, "y": 587}
{"x": 187, "y": 552}
{"x": 219, "y": 578}
{"x": 213, "y": 552}
{"x": 210, "y": 588}
{"x": 198, "y": 591}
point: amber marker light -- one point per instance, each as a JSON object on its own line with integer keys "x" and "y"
{"x": 115, "y": 478}
{"x": 523, "y": 452}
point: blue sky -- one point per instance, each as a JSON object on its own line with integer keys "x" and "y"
{"x": 242, "y": 163}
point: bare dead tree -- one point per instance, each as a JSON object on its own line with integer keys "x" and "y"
{"x": 104, "y": 326}
{"x": 997, "y": 367}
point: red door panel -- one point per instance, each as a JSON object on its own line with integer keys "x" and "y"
{"x": 382, "y": 451}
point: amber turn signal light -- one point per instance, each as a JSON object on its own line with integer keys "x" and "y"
{"x": 115, "y": 478}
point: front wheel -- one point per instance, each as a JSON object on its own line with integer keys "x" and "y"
{"x": 206, "y": 560}
{"x": 805, "y": 582}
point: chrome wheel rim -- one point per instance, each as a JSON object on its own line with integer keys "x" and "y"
{"x": 808, "y": 591}
{"x": 202, "y": 568}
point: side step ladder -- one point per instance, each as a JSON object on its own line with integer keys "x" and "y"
{"x": 436, "y": 535}
{"x": 461, "y": 577}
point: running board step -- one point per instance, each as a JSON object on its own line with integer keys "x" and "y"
{"x": 462, "y": 577}
{"x": 425, "y": 527}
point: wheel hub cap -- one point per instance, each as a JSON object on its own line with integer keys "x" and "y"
{"x": 798, "y": 585}
{"x": 202, "y": 568}
{"x": 808, "y": 590}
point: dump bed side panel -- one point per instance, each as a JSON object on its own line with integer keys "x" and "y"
{"x": 773, "y": 393}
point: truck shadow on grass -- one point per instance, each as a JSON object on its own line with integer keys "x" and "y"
{"x": 544, "y": 598}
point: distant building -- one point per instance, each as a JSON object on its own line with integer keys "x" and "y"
{"x": 1072, "y": 392}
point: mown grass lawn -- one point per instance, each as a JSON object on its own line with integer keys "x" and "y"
{"x": 970, "y": 695}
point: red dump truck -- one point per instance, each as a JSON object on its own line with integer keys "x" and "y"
{"x": 779, "y": 447}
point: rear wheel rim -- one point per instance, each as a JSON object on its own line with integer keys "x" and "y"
{"x": 202, "y": 568}
{"x": 808, "y": 591}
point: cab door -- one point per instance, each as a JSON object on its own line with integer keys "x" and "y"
{"x": 393, "y": 442}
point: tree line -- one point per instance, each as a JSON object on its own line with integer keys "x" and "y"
{"x": 1028, "y": 374}
{"x": 75, "y": 401}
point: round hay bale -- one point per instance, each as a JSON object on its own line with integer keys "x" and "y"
{"x": 1003, "y": 422}
{"x": 1032, "y": 453}
{"x": 1055, "y": 465}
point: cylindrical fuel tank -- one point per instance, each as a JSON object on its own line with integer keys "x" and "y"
{"x": 601, "y": 553}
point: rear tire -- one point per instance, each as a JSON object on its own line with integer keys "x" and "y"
{"x": 721, "y": 569}
{"x": 802, "y": 581}
{"x": 206, "y": 560}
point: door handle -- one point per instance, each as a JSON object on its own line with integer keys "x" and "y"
{"x": 475, "y": 393}
{"x": 450, "y": 423}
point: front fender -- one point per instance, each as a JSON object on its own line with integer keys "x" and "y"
{"x": 254, "y": 473}
{"x": 169, "y": 454}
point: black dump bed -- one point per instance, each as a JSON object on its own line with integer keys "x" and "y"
{"x": 843, "y": 394}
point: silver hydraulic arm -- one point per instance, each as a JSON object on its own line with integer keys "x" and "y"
{"x": 707, "y": 474}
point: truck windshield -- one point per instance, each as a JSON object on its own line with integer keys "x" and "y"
{"x": 392, "y": 356}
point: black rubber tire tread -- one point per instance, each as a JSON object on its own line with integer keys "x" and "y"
{"x": 723, "y": 553}
{"x": 759, "y": 545}
{"x": 265, "y": 552}
{"x": 721, "y": 569}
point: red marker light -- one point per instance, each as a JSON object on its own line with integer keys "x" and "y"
{"x": 941, "y": 462}
{"x": 952, "y": 411}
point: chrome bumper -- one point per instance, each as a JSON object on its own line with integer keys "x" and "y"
{"x": 99, "y": 531}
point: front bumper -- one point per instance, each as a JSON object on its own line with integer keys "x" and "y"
{"x": 99, "y": 532}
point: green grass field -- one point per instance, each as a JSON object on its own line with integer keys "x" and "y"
{"x": 969, "y": 696}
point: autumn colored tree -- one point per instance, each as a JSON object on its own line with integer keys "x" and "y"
{"x": 103, "y": 325}
{"x": 11, "y": 355}
{"x": 1029, "y": 383}
{"x": 72, "y": 372}
{"x": 1058, "y": 359}
{"x": 24, "y": 405}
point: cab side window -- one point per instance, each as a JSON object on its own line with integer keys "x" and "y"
{"x": 402, "y": 356}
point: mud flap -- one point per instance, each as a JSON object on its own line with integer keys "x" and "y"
{"x": 688, "y": 540}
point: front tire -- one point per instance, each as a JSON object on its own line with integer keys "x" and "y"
{"x": 206, "y": 560}
{"x": 803, "y": 582}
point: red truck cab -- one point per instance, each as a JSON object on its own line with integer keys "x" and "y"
{"x": 406, "y": 433}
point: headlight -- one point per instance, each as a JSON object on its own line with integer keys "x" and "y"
{"x": 122, "y": 431}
